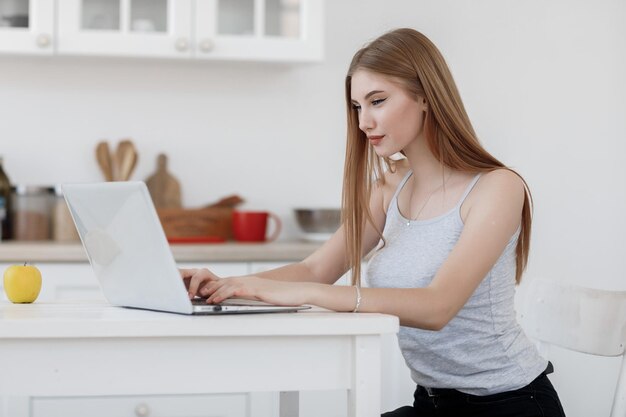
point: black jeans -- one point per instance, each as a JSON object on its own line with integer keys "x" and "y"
{"x": 537, "y": 399}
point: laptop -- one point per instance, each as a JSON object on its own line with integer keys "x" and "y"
{"x": 129, "y": 253}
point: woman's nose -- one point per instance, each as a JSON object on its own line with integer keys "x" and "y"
{"x": 366, "y": 122}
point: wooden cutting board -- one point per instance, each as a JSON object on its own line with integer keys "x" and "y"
{"x": 164, "y": 188}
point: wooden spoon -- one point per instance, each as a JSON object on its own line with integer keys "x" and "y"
{"x": 103, "y": 156}
{"x": 117, "y": 159}
{"x": 128, "y": 160}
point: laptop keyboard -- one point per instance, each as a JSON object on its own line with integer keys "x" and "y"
{"x": 231, "y": 302}
{"x": 198, "y": 301}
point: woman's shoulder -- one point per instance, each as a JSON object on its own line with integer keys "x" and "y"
{"x": 502, "y": 179}
{"x": 501, "y": 183}
{"x": 501, "y": 189}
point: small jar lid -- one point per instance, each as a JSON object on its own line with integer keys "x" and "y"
{"x": 58, "y": 190}
{"x": 33, "y": 189}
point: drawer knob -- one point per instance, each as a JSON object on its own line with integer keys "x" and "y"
{"x": 182, "y": 44}
{"x": 43, "y": 40}
{"x": 142, "y": 410}
{"x": 207, "y": 45}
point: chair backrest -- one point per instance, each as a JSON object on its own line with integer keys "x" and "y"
{"x": 581, "y": 319}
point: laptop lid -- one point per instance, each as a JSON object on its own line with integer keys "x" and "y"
{"x": 126, "y": 246}
{"x": 129, "y": 253}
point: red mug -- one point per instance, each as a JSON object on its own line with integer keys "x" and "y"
{"x": 251, "y": 226}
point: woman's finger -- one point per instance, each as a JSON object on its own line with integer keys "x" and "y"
{"x": 231, "y": 288}
{"x": 198, "y": 278}
{"x": 210, "y": 287}
{"x": 222, "y": 290}
{"x": 220, "y": 295}
{"x": 186, "y": 272}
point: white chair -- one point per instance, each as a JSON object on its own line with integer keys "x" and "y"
{"x": 581, "y": 319}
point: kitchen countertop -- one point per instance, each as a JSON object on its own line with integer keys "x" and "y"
{"x": 216, "y": 252}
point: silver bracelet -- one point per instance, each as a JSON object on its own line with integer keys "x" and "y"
{"x": 358, "y": 299}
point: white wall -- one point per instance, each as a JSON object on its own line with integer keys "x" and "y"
{"x": 542, "y": 80}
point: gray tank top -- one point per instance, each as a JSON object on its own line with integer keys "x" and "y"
{"x": 482, "y": 350}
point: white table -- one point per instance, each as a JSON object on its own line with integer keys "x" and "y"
{"x": 88, "y": 349}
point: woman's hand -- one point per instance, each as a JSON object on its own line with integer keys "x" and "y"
{"x": 196, "y": 279}
{"x": 255, "y": 288}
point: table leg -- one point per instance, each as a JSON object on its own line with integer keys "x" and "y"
{"x": 289, "y": 404}
{"x": 619, "y": 402}
{"x": 364, "y": 396}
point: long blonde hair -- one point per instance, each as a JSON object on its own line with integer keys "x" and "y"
{"x": 411, "y": 58}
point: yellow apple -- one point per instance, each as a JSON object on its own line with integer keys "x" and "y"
{"x": 22, "y": 283}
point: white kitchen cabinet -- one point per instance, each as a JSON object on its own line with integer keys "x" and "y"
{"x": 76, "y": 281}
{"x": 221, "y": 269}
{"x": 148, "y": 28}
{"x": 256, "y": 267}
{"x": 266, "y": 30}
{"x": 27, "y": 26}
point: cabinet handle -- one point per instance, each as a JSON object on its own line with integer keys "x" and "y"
{"x": 207, "y": 45}
{"x": 142, "y": 410}
{"x": 43, "y": 40}
{"x": 182, "y": 44}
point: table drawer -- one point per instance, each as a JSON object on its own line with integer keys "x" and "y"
{"x": 213, "y": 405}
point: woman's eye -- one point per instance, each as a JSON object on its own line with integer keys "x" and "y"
{"x": 356, "y": 107}
{"x": 378, "y": 101}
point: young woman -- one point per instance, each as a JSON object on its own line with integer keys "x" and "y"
{"x": 449, "y": 229}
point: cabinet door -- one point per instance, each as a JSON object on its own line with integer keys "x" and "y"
{"x": 27, "y": 26}
{"x": 65, "y": 282}
{"x": 221, "y": 269}
{"x": 256, "y": 267}
{"x": 152, "y": 28}
{"x": 265, "y": 30}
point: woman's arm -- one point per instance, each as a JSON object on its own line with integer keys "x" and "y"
{"x": 326, "y": 265}
{"x": 492, "y": 215}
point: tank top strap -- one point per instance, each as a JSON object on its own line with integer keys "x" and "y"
{"x": 469, "y": 188}
{"x": 401, "y": 185}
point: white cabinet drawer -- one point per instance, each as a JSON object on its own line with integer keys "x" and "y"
{"x": 222, "y": 405}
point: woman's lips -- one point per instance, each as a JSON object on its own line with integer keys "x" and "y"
{"x": 375, "y": 140}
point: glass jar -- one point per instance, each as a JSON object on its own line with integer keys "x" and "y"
{"x": 63, "y": 229}
{"x": 31, "y": 207}
{"x": 5, "y": 194}
{"x": 3, "y": 213}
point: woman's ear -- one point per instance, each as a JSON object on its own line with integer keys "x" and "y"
{"x": 422, "y": 101}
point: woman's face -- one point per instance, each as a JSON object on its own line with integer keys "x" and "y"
{"x": 390, "y": 117}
